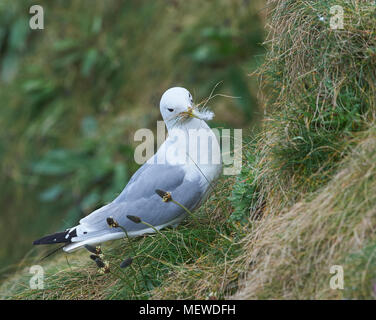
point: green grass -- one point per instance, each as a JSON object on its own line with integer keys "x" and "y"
{"x": 200, "y": 250}
{"x": 361, "y": 267}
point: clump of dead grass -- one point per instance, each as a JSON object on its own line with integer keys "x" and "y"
{"x": 318, "y": 92}
{"x": 290, "y": 254}
{"x": 321, "y": 82}
{"x": 313, "y": 167}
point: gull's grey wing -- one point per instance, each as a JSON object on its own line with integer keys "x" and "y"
{"x": 139, "y": 199}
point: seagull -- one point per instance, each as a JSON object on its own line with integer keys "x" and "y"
{"x": 183, "y": 167}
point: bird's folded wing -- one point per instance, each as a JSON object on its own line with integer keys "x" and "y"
{"x": 139, "y": 199}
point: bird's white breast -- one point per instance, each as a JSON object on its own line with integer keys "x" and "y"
{"x": 194, "y": 147}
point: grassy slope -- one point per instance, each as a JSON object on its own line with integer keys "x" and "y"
{"x": 291, "y": 254}
{"x": 307, "y": 189}
{"x": 312, "y": 171}
{"x": 186, "y": 256}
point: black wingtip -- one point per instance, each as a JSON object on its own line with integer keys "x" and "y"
{"x": 59, "y": 237}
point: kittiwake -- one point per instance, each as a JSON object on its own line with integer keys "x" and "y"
{"x": 185, "y": 165}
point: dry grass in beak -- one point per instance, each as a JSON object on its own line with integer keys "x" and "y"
{"x": 187, "y": 114}
{"x": 193, "y": 112}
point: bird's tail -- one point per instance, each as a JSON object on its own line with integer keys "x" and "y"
{"x": 72, "y": 242}
{"x": 59, "y": 237}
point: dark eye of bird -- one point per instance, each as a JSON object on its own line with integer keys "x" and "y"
{"x": 169, "y": 109}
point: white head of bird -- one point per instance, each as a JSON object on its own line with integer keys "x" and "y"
{"x": 177, "y": 107}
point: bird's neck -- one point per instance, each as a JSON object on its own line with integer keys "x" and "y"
{"x": 188, "y": 140}
{"x": 192, "y": 123}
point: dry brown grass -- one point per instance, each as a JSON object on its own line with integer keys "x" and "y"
{"x": 290, "y": 254}
{"x": 315, "y": 165}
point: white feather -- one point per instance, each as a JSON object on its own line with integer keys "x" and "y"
{"x": 204, "y": 114}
